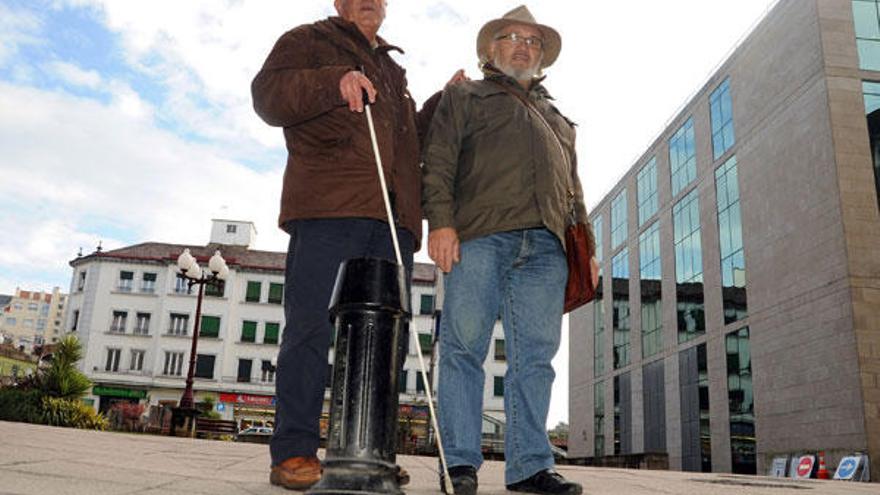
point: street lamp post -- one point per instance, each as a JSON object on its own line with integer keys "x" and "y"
{"x": 193, "y": 274}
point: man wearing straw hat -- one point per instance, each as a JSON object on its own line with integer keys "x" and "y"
{"x": 332, "y": 206}
{"x": 499, "y": 187}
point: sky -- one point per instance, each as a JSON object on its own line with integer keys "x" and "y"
{"x": 130, "y": 121}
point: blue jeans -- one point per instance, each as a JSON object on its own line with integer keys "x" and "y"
{"x": 521, "y": 276}
{"x": 317, "y": 247}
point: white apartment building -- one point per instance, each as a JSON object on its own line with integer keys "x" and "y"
{"x": 33, "y": 317}
{"x": 135, "y": 318}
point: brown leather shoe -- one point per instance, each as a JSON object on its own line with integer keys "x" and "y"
{"x": 296, "y": 473}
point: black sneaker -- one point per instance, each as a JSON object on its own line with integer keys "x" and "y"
{"x": 464, "y": 480}
{"x": 546, "y": 482}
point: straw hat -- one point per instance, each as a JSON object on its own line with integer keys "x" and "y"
{"x": 519, "y": 15}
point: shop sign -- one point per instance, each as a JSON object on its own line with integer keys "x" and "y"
{"x": 125, "y": 393}
{"x": 252, "y": 400}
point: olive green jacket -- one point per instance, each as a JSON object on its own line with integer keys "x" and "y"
{"x": 491, "y": 166}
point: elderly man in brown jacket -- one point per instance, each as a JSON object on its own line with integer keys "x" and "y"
{"x": 500, "y": 185}
{"x": 331, "y": 205}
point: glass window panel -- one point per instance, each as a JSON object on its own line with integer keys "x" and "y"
{"x": 498, "y": 386}
{"x": 598, "y": 336}
{"x": 597, "y": 232}
{"x": 715, "y": 110}
{"x": 205, "y": 366}
{"x": 244, "y": 370}
{"x": 426, "y": 306}
{"x": 499, "y": 350}
{"x": 740, "y": 402}
{"x": 215, "y": 290}
{"x": 620, "y": 307}
{"x": 872, "y": 96}
{"x": 688, "y": 257}
{"x": 865, "y": 16}
{"x": 618, "y": 219}
{"x": 647, "y": 191}
{"x": 726, "y": 106}
{"x": 728, "y": 136}
{"x": 869, "y": 54}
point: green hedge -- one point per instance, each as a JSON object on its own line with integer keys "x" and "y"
{"x": 31, "y": 406}
{"x": 21, "y": 405}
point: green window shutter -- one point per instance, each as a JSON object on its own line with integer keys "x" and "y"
{"x": 210, "y": 327}
{"x": 249, "y": 331}
{"x": 427, "y": 304}
{"x": 401, "y": 381}
{"x": 276, "y": 293}
{"x": 253, "y": 291}
{"x": 425, "y": 342}
{"x": 271, "y": 336}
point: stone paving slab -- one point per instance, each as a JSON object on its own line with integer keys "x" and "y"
{"x": 40, "y": 460}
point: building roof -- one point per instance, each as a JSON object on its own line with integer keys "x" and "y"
{"x": 4, "y": 300}
{"x": 239, "y": 257}
{"x": 236, "y": 256}
{"x": 34, "y": 296}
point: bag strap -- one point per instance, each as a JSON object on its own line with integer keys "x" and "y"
{"x": 534, "y": 111}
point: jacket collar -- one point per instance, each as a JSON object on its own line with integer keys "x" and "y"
{"x": 354, "y": 34}
{"x": 492, "y": 73}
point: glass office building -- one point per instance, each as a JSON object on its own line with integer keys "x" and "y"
{"x": 744, "y": 249}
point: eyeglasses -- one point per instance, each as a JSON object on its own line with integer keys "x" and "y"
{"x": 530, "y": 41}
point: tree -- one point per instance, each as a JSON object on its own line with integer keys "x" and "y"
{"x": 61, "y": 379}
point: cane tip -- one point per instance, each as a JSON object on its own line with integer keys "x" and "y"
{"x": 448, "y": 483}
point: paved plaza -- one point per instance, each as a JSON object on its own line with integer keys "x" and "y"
{"x": 56, "y": 461}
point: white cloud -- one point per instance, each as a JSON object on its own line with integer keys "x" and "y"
{"x": 624, "y": 70}
{"x": 17, "y": 29}
{"x": 75, "y": 75}
{"x": 104, "y": 167}
{"x": 129, "y": 102}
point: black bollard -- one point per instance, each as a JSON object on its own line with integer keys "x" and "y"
{"x": 370, "y": 309}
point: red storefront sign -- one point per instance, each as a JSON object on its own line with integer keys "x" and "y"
{"x": 252, "y": 400}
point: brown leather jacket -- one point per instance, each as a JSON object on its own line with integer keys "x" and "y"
{"x": 331, "y": 170}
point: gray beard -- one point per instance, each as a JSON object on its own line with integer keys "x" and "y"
{"x": 518, "y": 74}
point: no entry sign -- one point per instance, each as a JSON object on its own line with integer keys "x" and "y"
{"x": 805, "y": 466}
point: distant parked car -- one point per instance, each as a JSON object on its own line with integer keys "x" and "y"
{"x": 256, "y": 430}
{"x": 255, "y": 434}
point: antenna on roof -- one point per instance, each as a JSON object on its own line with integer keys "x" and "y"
{"x": 80, "y": 253}
{"x": 99, "y": 248}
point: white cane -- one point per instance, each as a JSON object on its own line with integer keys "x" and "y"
{"x": 413, "y": 334}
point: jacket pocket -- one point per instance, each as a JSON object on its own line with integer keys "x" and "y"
{"x": 330, "y": 148}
